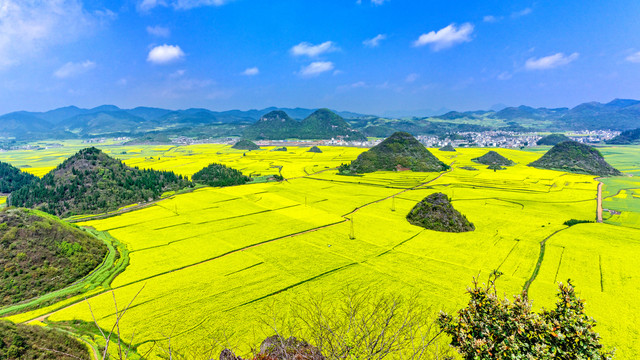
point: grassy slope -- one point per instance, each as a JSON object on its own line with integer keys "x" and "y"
{"x": 40, "y": 254}
{"x": 35, "y": 342}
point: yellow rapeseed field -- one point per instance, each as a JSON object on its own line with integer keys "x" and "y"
{"x": 222, "y": 258}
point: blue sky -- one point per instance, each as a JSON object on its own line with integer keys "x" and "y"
{"x": 370, "y": 56}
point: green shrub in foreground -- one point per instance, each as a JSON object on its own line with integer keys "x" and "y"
{"x": 496, "y": 328}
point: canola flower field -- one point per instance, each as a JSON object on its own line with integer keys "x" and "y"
{"x": 219, "y": 259}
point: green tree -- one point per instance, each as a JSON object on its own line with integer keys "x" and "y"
{"x": 491, "y": 327}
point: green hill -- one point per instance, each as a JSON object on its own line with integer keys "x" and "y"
{"x": 245, "y": 145}
{"x": 315, "y": 149}
{"x": 12, "y": 179}
{"x": 575, "y": 157}
{"x": 400, "y": 150}
{"x": 447, "y": 147}
{"x": 220, "y": 175}
{"x": 40, "y": 254}
{"x": 27, "y": 342}
{"x": 276, "y": 125}
{"x": 493, "y": 158}
{"x": 325, "y": 124}
{"x": 552, "y": 139}
{"x": 321, "y": 124}
{"x": 628, "y": 137}
{"x": 435, "y": 212}
{"x": 92, "y": 182}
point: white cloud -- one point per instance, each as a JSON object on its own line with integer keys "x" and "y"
{"x": 310, "y": 50}
{"x": 178, "y": 73}
{"x": 550, "y": 62}
{"x": 316, "y": 68}
{"x": 491, "y": 19}
{"x": 411, "y": 78}
{"x": 29, "y": 27}
{"x": 251, "y": 71}
{"x": 446, "y": 37}
{"x": 165, "y": 54}
{"x": 523, "y": 12}
{"x": 71, "y": 69}
{"x": 634, "y": 58}
{"x": 375, "y": 41}
{"x": 159, "y": 31}
{"x": 146, "y": 5}
{"x": 505, "y": 75}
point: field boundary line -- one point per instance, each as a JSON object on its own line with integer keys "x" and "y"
{"x": 543, "y": 244}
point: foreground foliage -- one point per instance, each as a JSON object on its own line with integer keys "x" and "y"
{"x": 92, "y": 182}
{"x": 495, "y": 328}
{"x": 40, "y": 254}
{"x": 35, "y": 342}
{"x": 220, "y": 175}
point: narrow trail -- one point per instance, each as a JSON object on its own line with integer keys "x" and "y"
{"x": 543, "y": 244}
{"x": 599, "y": 207}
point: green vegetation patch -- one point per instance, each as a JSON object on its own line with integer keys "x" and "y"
{"x": 576, "y": 222}
{"x": 493, "y": 158}
{"x": 220, "y": 175}
{"x": 435, "y": 212}
{"x": 19, "y": 341}
{"x": 400, "y": 151}
{"x": 245, "y": 145}
{"x": 553, "y": 139}
{"x": 315, "y": 149}
{"x": 12, "y": 179}
{"x": 91, "y": 182}
{"x": 39, "y": 254}
{"x": 575, "y": 157}
{"x": 627, "y": 137}
{"x": 447, "y": 147}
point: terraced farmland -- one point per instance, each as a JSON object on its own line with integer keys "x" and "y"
{"x": 221, "y": 258}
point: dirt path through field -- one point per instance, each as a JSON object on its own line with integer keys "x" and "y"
{"x": 599, "y": 208}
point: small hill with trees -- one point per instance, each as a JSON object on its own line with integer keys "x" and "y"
{"x": 315, "y": 149}
{"x": 493, "y": 158}
{"x": 447, "y": 147}
{"x": 40, "y": 254}
{"x": 20, "y": 341}
{"x": 399, "y": 151}
{"x": 325, "y": 124}
{"x": 12, "y": 179}
{"x": 245, "y": 145}
{"x": 220, "y": 175}
{"x": 435, "y": 212}
{"x": 575, "y": 157}
{"x": 275, "y": 125}
{"x": 628, "y": 137}
{"x": 92, "y": 182}
{"x": 321, "y": 124}
{"x": 553, "y": 139}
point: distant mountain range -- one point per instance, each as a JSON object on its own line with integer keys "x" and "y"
{"x": 74, "y": 122}
{"x": 156, "y": 123}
